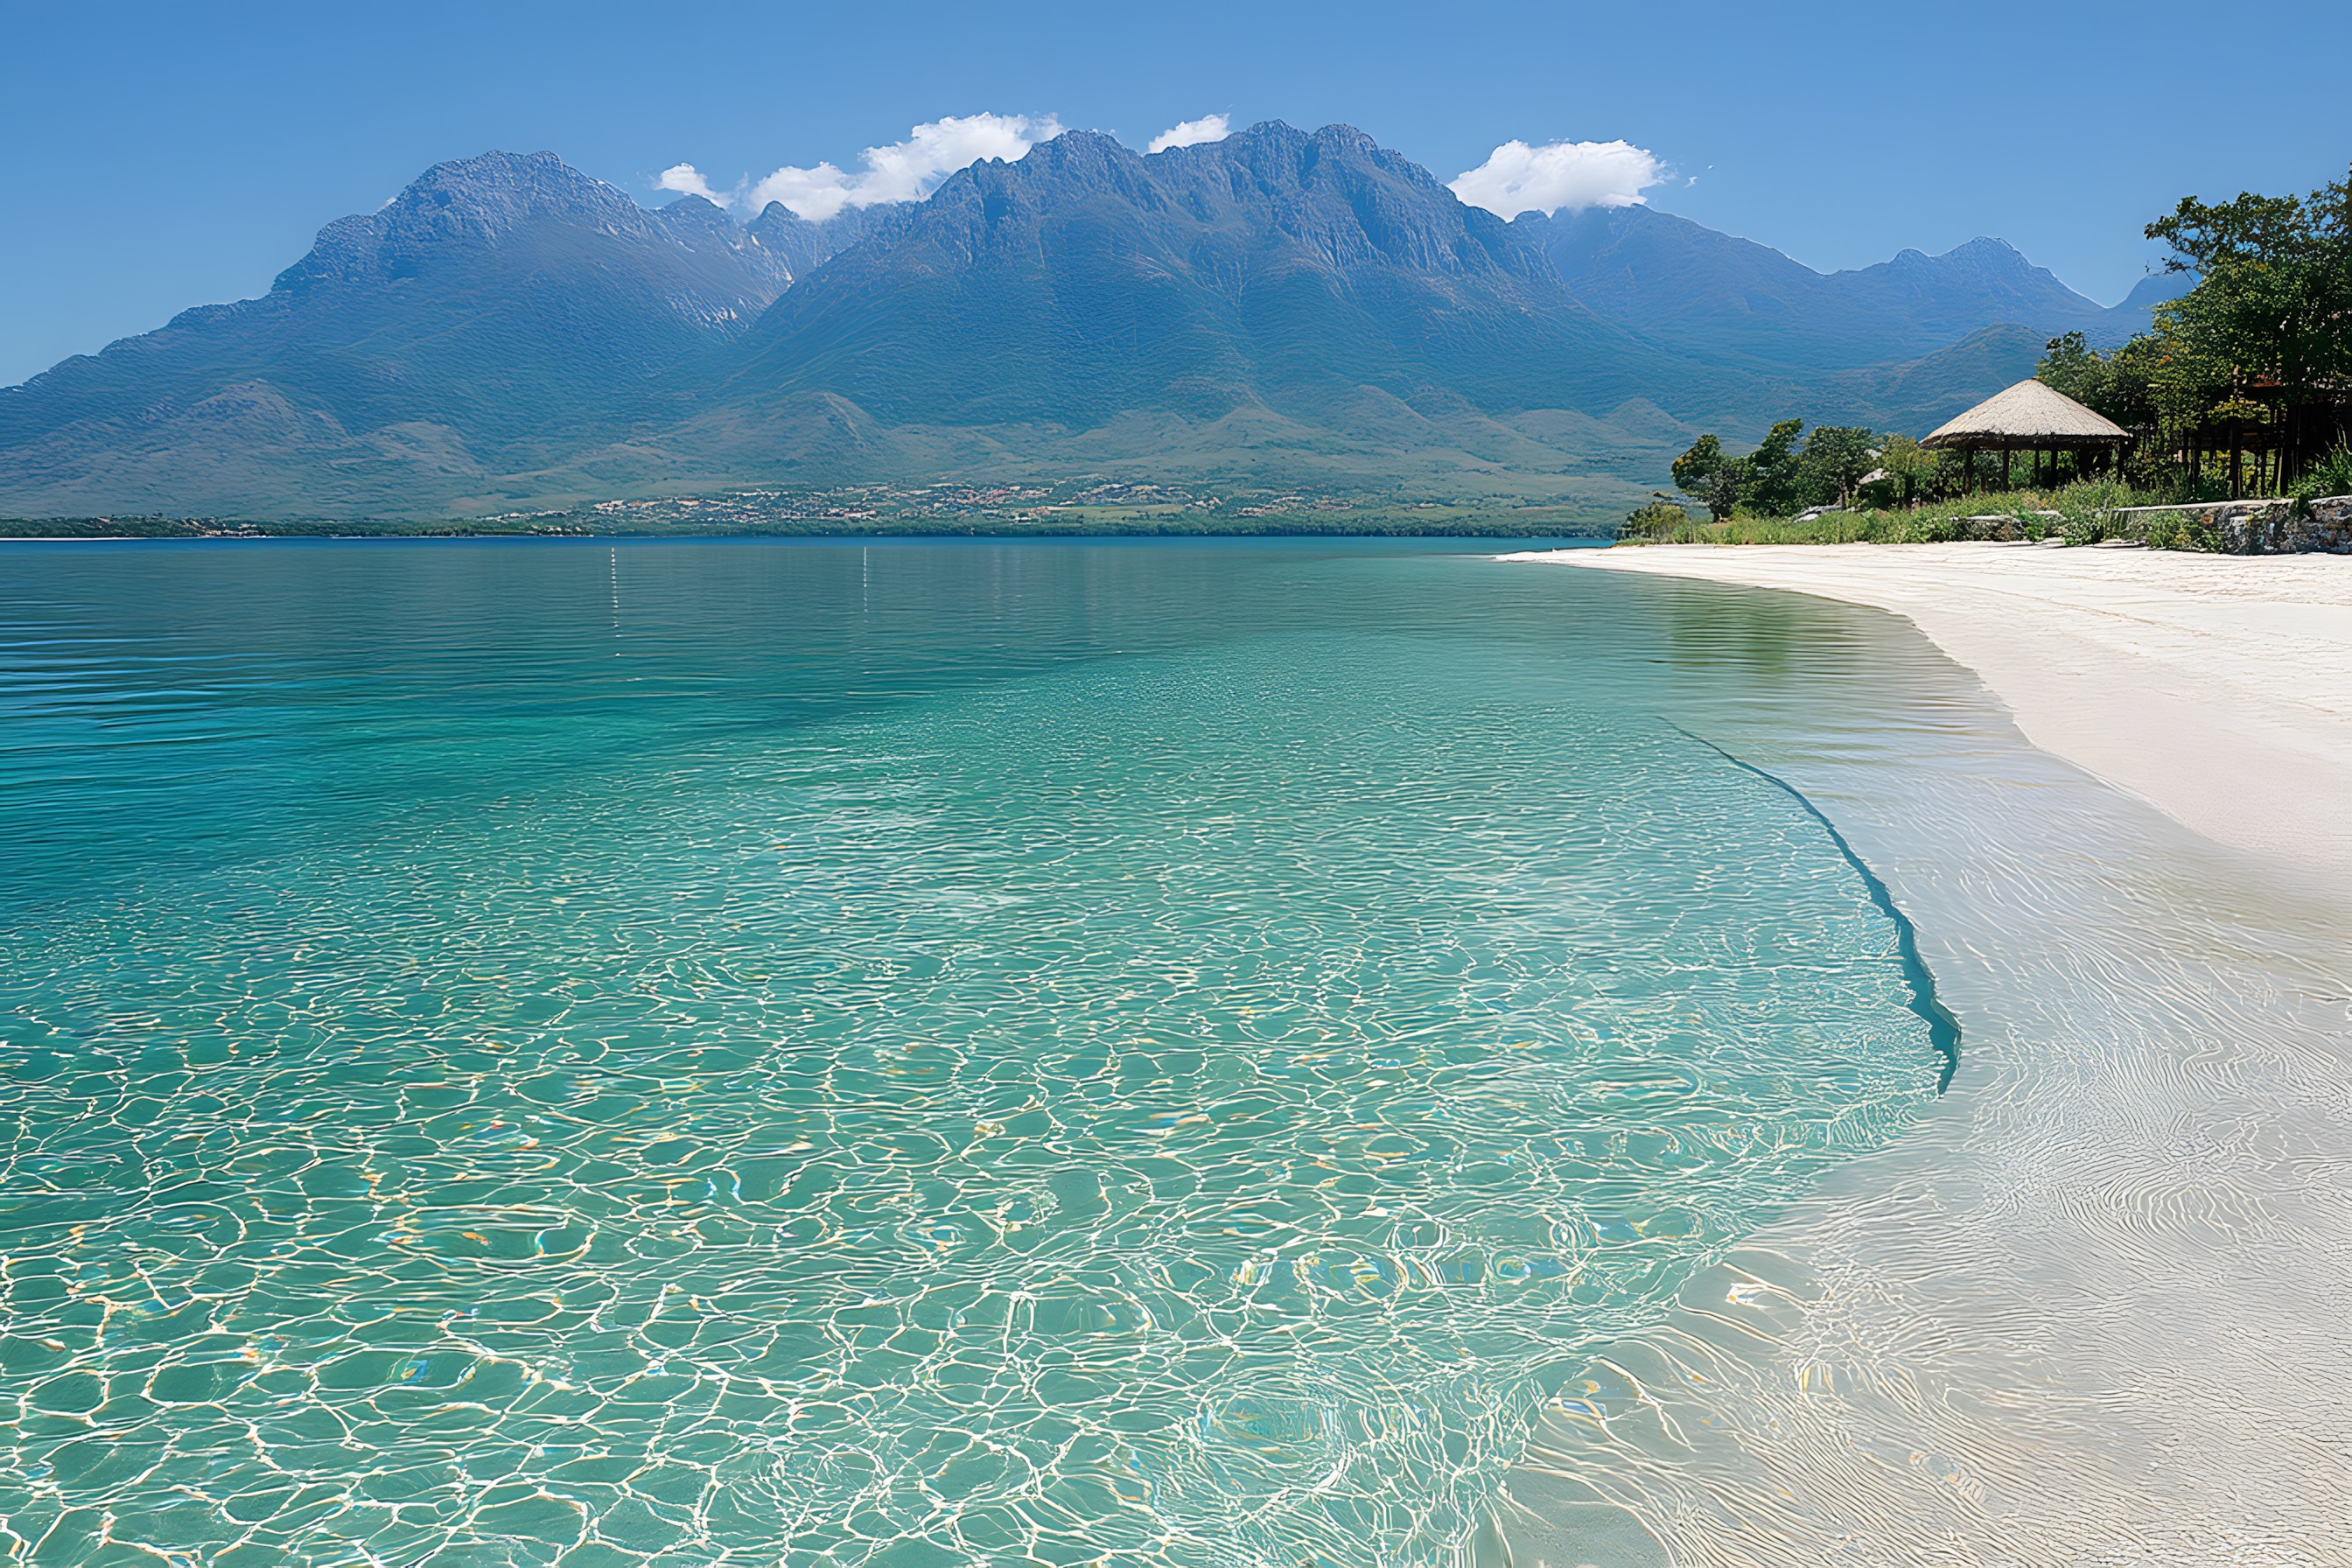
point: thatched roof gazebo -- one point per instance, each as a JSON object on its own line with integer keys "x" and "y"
{"x": 2027, "y": 418}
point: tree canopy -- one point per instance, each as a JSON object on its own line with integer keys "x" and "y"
{"x": 1835, "y": 458}
{"x": 1783, "y": 475}
{"x": 2272, "y": 308}
{"x": 2120, "y": 384}
{"x": 1709, "y": 478}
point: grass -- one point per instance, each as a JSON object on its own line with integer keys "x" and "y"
{"x": 2082, "y": 514}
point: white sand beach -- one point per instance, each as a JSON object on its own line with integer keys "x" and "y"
{"x": 2217, "y": 688}
{"x": 2089, "y": 1309}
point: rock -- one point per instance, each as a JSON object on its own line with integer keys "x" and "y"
{"x": 2279, "y": 528}
{"x": 2327, "y": 526}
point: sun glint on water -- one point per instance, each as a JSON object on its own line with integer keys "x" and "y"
{"x": 871, "y": 1055}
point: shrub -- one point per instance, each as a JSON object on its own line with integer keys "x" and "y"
{"x": 2179, "y": 531}
{"x": 2091, "y": 509}
{"x": 2331, "y": 477}
{"x": 1660, "y": 520}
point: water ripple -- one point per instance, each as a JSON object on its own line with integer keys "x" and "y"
{"x": 1189, "y": 1100}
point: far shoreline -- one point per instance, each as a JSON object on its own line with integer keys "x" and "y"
{"x": 1479, "y": 543}
{"x": 1592, "y": 538}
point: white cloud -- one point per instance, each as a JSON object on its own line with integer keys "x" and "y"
{"x": 686, "y": 178}
{"x": 904, "y": 171}
{"x": 1519, "y": 178}
{"x": 1191, "y": 132}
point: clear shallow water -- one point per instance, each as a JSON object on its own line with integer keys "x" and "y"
{"x": 875, "y": 1054}
{"x": 2082, "y": 1310}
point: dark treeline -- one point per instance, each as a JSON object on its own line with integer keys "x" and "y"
{"x": 1835, "y": 464}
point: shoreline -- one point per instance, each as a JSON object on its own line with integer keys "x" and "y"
{"x": 2078, "y": 1310}
{"x": 2218, "y": 689}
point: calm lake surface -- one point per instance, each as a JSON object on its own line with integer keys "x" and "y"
{"x": 880, "y": 1053}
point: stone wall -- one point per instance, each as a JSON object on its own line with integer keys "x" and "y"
{"x": 2276, "y": 528}
{"x": 2265, "y": 527}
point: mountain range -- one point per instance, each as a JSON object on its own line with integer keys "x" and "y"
{"x": 1279, "y": 307}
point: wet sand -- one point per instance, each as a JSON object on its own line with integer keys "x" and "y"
{"x": 2218, "y": 687}
{"x": 2089, "y": 1310}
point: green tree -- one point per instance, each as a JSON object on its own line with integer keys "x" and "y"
{"x": 1705, "y": 455}
{"x": 1661, "y": 519}
{"x": 1769, "y": 477}
{"x": 1720, "y": 492}
{"x": 1779, "y": 477}
{"x": 1911, "y": 466}
{"x": 2120, "y": 384}
{"x": 2272, "y": 302}
{"x": 1708, "y": 478}
{"x": 2071, "y": 365}
{"x": 1835, "y": 457}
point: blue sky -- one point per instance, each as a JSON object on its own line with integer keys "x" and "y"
{"x": 164, "y": 156}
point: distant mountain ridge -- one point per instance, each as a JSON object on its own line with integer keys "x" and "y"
{"x": 1280, "y": 305}
{"x": 1735, "y": 302}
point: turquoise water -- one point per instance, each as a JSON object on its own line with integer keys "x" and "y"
{"x": 875, "y": 1054}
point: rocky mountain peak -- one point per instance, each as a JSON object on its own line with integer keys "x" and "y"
{"x": 698, "y": 220}
{"x": 1982, "y": 256}
{"x": 465, "y": 203}
{"x": 489, "y": 196}
{"x": 1346, "y": 139}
